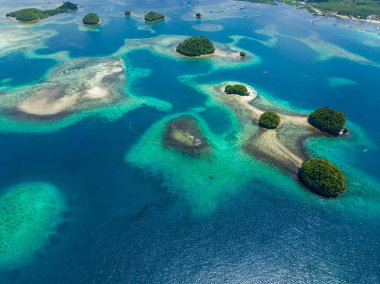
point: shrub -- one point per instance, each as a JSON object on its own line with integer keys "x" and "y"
{"x": 127, "y": 13}
{"x": 328, "y": 120}
{"x": 91, "y": 19}
{"x": 237, "y": 90}
{"x": 153, "y": 16}
{"x": 242, "y": 53}
{"x": 269, "y": 120}
{"x": 322, "y": 177}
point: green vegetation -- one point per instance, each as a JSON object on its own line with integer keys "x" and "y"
{"x": 198, "y": 15}
{"x": 34, "y": 14}
{"x": 322, "y": 177}
{"x": 196, "y": 46}
{"x": 240, "y": 90}
{"x": 127, "y": 13}
{"x": 242, "y": 53}
{"x": 91, "y": 19}
{"x": 271, "y": 2}
{"x": 269, "y": 120}
{"x": 360, "y": 9}
{"x": 154, "y": 17}
{"x": 328, "y": 120}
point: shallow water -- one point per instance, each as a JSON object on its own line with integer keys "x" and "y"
{"x": 136, "y": 212}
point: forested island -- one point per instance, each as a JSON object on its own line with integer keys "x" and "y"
{"x": 91, "y": 19}
{"x": 152, "y": 17}
{"x": 34, "y": 14}
{"x": 365, "y": 9}
{"x": 322, "y": 177}
{"x": 328, "y": 120}
{"x": 196, "y": 46}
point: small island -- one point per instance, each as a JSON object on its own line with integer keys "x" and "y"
{"x": 183, "y": 133}
{"x": 153, "y": 17}
{"x": 322, "y": 177}
{"x": 198, "y": 15}
{"x": 269, "y": 120}
{"x": 196, "y": 46}
{"x": 242, "y": 54}
{"x": 237, "y": 89}
{"x": 127, "y": 13}
{"x": 328, "y": 120}
{"x": 34, "y": 14}
{"x": 91, "y": 19}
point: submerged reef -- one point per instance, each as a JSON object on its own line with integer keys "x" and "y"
{"x": 75, "y": 89}
{"x": 77, "y": 85}
{"x": 203, "y": 181}
{"x": 183, "y": 133}
{"x": 28, "y": 213}
{"x": 34, "y": 14}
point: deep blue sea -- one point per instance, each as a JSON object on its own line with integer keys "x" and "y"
{"x": 125, "y": 223}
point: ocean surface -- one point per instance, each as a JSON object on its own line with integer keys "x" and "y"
{"x": 135, "y": 213}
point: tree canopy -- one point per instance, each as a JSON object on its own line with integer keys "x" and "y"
{"x": 269, "y": 120}
{"x": 153, "y": 16}
{"x": 34, "y": 14}
{"x": 91, "y": 19}
{"x": 328, "y": 120}
{"x": 196, "y": 46}
{"x": 237, "y": 90}
{"x": 322, "y": 177}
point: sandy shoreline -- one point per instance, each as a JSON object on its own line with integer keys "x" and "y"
{"x": 266, "y": 144}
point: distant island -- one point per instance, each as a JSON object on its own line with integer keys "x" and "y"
{"x": 322, "y": 177}
{"x": 196, "y": 46}
{"x": 360, "y": 10}
{"x": 153, "y": 17}
{"x": 328, "y": 120}
{"x": 34, "y": 14}
{"x": 91, "y": 19}
{"x": 127, "y": 13}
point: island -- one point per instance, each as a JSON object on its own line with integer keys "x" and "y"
{"x": 367, "y": 10}
{"x": 242, "y": 54}
{"x": 34, "y": 14}
{"x": 328, "y": 120}
{"x": 322, "y": 177}
{"x": 183, "y": 134}
{"x": 198, "y": 15}
{"x": 269, "y": 120}
{"x": 153, "y": 17}
{"x": 91, "y": 19}
{"x": 127, "y": 13}
{"x": 196, "y": 46}
{"x": 237, "y": 89}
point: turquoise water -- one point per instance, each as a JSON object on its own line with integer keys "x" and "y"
{"x": 136, "y": 212}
